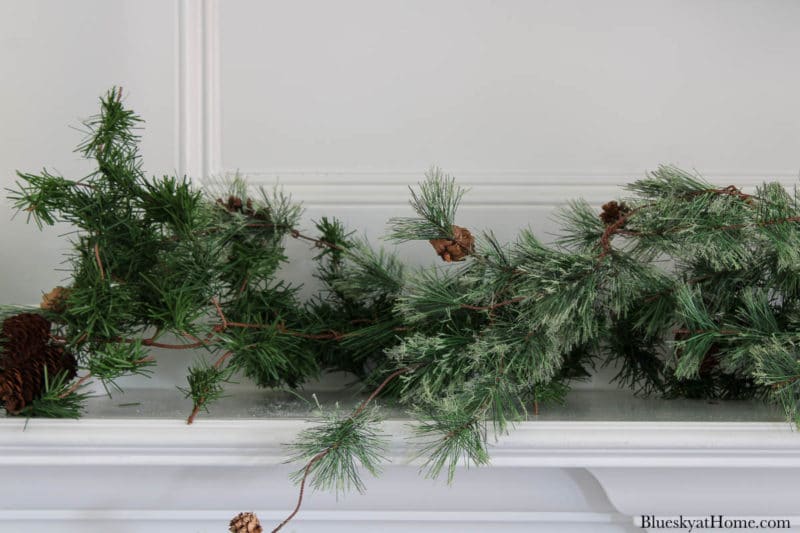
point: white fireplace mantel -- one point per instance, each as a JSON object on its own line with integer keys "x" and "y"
{"x": 158, "y": 474}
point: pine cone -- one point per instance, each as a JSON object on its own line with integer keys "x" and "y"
{"x": 245, "y": 523}
{"x": 23, "y": 382}
{"x": 234, "y": 204}
{"x": 455, "y": 249}
{"x": 25, "y": 328}
{"x": 26, "y": 355}
{"x": 55, "y": 300}
{"x": 23, "y": 335}
{"x": 613, "y": 211}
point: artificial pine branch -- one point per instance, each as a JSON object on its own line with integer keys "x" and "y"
{"x": 516, "y": 324}
{"x": 335, "y": 449}
{"x": 154, "y": 257}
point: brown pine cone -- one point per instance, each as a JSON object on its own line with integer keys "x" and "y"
{"x": 234, "y": 204}
{"x": 613, "y": 211}
{"x": 23, "y": 335}
{"x": 24, "y": 382}
{"x": 456, "y": 249}
{"x": 26, "y": 328}
{"x": 55, "y": 300}
{"x": 27, "y": 354}
{"x": 245, "y": 523}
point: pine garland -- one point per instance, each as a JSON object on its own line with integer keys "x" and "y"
{"x": 686, "y": 288}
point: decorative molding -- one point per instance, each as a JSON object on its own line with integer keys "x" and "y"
{"x": 611, "y": 472}
{"x": 530, "y": 444}
{"x": 487, "y": 188}
{"x": 198, "y": 88}
{"x": 200, "y": 146}
{"x": 375, "y": 517}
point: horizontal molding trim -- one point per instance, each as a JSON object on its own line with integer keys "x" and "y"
{"x": 384, "y": 516}
{"x": 531, "y": 444}
{"x": 487, "y": 188}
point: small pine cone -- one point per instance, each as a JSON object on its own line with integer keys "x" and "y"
{"x": 233, "y": 204}
{"x": 248, "y": 207}
{"x": 245, "y": 523}
{"x": 613, "y": 211}
{"x": 456, "y": 249}
{"x": 55, "y": 300}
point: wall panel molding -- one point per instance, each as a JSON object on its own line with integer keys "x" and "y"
{"x": 202, "y": 102}
{"x": 487, "y": 188}
{"x": 198, "y": 88}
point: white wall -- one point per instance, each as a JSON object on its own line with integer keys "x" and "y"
{"x": 347, "y": 102}
{"x": 56, "y": 59}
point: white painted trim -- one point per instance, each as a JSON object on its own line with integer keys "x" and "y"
{"x": 487, "y": 188}
{"x": 530, "y": 444}
{"x": 316, "y": 516}
{"x": 636, "y": 463}
{"x": 198, "y": 92}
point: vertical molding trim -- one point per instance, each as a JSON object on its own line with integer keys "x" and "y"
{"x": 198, "y": 88}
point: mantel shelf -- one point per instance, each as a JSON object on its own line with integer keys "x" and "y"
{"x": 612, "y": 455}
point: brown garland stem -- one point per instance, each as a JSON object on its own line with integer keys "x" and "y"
{"x": 225, "y": 323}
{"x": 319, "y": 243}
{"x": 145, "y": 342}
{"x": 616, "y": 228}
{"x": 99, "y": 261}
{"x": 321, "y": 455}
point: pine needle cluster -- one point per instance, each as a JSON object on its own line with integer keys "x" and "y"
{"x": 156, "y": 263}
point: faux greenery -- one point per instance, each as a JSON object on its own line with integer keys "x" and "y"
{"x": 686, "y": 288}
{"x": 156, "y": 263}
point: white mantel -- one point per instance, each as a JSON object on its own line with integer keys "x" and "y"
{"x": 158, "y": 474}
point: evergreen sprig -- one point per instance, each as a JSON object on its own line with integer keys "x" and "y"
{"x": 436, "y": 205}
{"x": 338, "y": 447}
